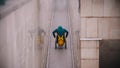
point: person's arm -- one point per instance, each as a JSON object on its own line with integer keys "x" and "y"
{"x": 66, "y": 32}
{"x": 54, "y": 33}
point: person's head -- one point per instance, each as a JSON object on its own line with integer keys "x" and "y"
{"x": 60, "y": 27}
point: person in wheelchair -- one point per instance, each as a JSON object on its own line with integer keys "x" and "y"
{"x": 60, "y": 34}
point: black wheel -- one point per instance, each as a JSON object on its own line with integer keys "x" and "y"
{"x": 55, "y": 45}
{"x": 65, "y": 45}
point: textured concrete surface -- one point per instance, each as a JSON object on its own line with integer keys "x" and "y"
{"x": 17, "y": 37}
{"x": 10, "y": 6}
{"x": 18, "y": 47}
{"x": 60, "y": 58}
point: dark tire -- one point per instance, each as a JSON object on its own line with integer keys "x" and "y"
{"x": 65, "y": 45}
{"x": 55, "y": 45}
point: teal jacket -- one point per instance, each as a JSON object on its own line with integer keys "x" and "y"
{"x": 60, "y": 31}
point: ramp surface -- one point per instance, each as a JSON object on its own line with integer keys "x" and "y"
{"x": 60, "y": 58}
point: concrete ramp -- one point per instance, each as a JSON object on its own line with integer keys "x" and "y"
{"x": 60, "y": 58}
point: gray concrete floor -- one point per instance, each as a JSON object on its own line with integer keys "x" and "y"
{"x": 60, "y": 58}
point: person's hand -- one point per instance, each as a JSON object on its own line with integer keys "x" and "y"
{"x": 66, "y": 36}
{"x": 54, "y": 36}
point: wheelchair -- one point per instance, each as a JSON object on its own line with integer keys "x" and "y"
{"x": 60, "y": 42}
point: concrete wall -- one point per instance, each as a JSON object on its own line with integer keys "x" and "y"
{"x": 99, "y": 19}
{"x": 17, "y": 37}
